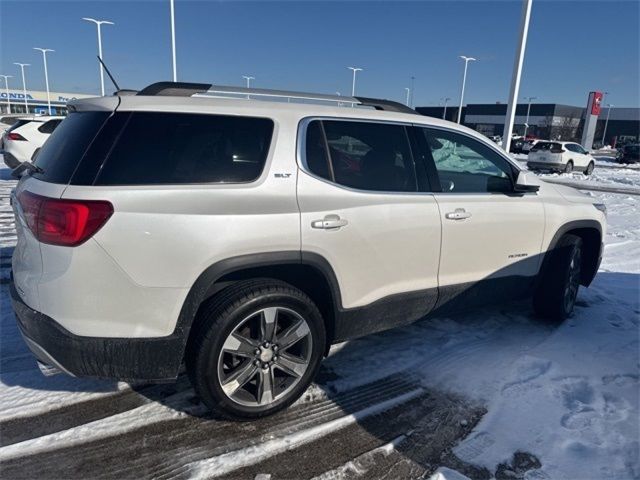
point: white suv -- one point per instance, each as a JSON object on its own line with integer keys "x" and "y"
{"x": 246, "y": 236}
{"x": 25, "y": 137}
{"x": 562, "y": 156}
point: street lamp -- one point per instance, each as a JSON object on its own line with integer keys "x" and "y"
{"x": 606, "y": 122}
{"x": 173, "y": 40}
{"x": 46, "y": 73}
{"x": 248, "y": 79}
{"x": 6, "y": 85}
{"x": 464, "y": 81}
{"x": 526, "y": 124}
{"x": 353, "y": 84}
{"x": 24, "y": 84}
{"x": 444, "y": 114}
{"x": 408, "y": 93}
{"x": 99, "y": 23}
{"x": 413, "y": 82}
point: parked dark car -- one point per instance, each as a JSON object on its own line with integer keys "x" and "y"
{"x": 630, "y": 153}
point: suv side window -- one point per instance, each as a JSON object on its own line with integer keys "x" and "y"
{"x": 366, "y": 156}
{"x": 181, "y": 148}
{"x": 465, "y": 165}
{"x": 571, "y": 147}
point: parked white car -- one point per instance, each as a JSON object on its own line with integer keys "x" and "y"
{"x": 246, "y": 236}
{"x": 560, "y": 156}
{"x": 25, "y": 136}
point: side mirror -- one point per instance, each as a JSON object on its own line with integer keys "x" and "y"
{"x": 524, "y": 184}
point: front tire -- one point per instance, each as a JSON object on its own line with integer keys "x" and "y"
{"x": 590, "y": 168}
{"x": 555, "y": 295}
{"x": 255, "y": 348}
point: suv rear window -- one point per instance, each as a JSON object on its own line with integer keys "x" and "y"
{"x": 17, "y": 124}
{"x": 49, "y": 127}
{"x": 546, "y": 146}
{"x": 66, "y": 146}
{"x": 180, "y": 148}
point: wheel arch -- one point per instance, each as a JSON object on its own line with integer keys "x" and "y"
{"x": 309, "y": 272}
{"x": 590, "y": 231}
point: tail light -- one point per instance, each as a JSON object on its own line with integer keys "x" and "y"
{"x": 64, "y": 222}
{"x": 16, "y": 136}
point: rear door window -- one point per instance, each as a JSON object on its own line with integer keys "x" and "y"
{"x": 363, "y": 155}
{"x": 180, "y": 148}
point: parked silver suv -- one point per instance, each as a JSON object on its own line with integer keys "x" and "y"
{"x": 246, "y": 236}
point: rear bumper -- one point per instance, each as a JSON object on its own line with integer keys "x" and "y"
{"x": 546, "y": 165}
{"x": 152, "y": 359}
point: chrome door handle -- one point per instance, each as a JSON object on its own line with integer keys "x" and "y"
{"x": 458, "y": 214}
{"x": 330, "y": 222}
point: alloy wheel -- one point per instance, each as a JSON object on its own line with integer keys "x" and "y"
{"x": 265, "y": 356}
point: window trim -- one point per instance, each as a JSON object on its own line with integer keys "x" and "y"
{"x": 301, "y": 149}
{"x": 432, "y": 170}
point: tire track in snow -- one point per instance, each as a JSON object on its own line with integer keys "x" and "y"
{"x": 160, "y": 440}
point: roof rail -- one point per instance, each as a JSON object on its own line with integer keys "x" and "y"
{"x": 222, "y": 91}
{"x": 181, "y": 89}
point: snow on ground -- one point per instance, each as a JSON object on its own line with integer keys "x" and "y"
{"x": 567, "y": 394}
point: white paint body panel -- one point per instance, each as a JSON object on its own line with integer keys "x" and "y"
{"x": 390, "y": 245}
{"x": 132, "y": 277}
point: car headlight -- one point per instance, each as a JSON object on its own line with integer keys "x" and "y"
{"x": 601, "y": 206}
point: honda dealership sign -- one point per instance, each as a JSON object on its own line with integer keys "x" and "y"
{"x": 40, "y": 97}
{"x": 591, "y": 119}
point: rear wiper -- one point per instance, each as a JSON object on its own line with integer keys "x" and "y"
{"x": 25, "y": 167}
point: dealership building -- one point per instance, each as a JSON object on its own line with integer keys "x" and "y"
{"x": 546, "y": 120}
{"x": 13, "y": 101}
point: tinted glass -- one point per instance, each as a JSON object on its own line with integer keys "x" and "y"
{"x": 178, "y": 148}
{"x": 66, "y": 146}
{"x": 546, "y": 146}
{"x": 316, "y": 152}
{"x": 466, "y": 165}
{"x": 371, "y": 156}
{"x": 49, "y": 127}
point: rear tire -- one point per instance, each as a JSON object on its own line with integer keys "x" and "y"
{"x": 568, "y": 168}
{"x": 590, "y": 168}
{"x": 255, "y": 348}
{"x": 558, "y": 284}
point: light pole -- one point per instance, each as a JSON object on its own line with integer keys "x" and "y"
{"x": 606, "y": 122}
{"x": 526, "y": 124}
{"x": 353, "y": 83}
{"x": 464, "y": 81}
{"x": 46, "y": 73}
{"x": 99, "y": 23}
{"x": 413, "y": 84}
{"x": 6, "y": 85}
{"x": 248, "y": 79}
{"x": 173, "y": 40}
{"x": 444, "y": 114}
{"x": 408, "y": 93}
{"x": 24, "y": 84}
{"x": 517, "y": 73}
